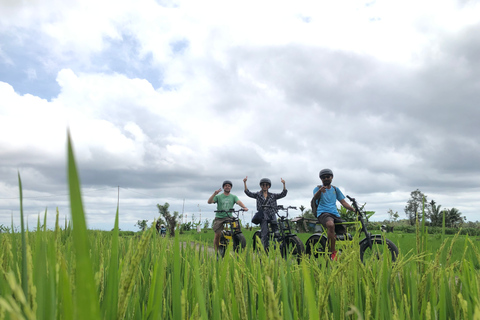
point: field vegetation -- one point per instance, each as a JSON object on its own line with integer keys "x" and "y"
{"x": 75, "y": 273}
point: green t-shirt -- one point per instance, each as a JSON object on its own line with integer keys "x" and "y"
{"x": 224, "y": 203}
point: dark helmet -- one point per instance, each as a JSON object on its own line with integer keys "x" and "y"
{"x": 227, "y": 182}
{"x": 324, "y": 172}
{"x": 266, "y": 180}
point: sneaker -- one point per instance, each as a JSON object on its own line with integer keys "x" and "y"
{"x": 333, "y": 256}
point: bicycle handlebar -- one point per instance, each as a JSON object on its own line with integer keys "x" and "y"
{"x": 279, "y": 207}
{"x": 231, "y": 211}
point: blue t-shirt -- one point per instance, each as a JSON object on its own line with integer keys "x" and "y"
{"x": 328, "y": 200}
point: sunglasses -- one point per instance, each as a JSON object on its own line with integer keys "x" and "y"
{"x": 264, "y": 184}
{"x": 327, "y": 176}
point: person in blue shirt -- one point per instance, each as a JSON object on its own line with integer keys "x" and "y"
{"x": 325, "y": 197}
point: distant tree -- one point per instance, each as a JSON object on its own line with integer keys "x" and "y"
{"x": 453, "y": 217}
{"x": 435, "y": 214}
{"x": 308, "y": 214}
{"x": 171, "y": 219}
{"x": 186, "y": 226}
{"x": 302, "y": 208}
{"x": 414, "y": 206}
{"x": 393, "y": 215}
{"x": 206, "y": 223}
{"x": 142, "y": 224}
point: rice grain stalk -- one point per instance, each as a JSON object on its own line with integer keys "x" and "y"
{"x": 19, "y": 307}
{"x": 129, "y": 274}
{"x": 110, "y": 305}
{"x": 200, "y": 297}
{"x": 271, "y": 300}
{"x": 450, "y": 250}
{"x": 239, "y": 295}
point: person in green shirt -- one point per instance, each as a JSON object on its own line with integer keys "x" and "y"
{"x": 225, "y": 201}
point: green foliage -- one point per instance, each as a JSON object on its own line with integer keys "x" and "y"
{"x": 453, "y": 217}
{"x": 206, "y": 223}
{"x": 171, "y": 219}
{"x": 346, "y": 215}
{"x": 75, "y": 273}
{"x": 393, "y": 215}
{"x": 186, "y": 226}
{"x": 141, "y": 224}
{"x": 415, "y": 205}
{"x": 435, "y": 214}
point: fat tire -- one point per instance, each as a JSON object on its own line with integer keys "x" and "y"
{"x": 256, "y": 235}
{"x": 222, "y": 248}
{"x": 378, "y": 242}
{"x": 294, "y": 246}
{"x": 239, "y": 242}
{"x": 314, "y": 245}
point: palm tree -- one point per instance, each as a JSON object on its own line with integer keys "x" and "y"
{"x": 436, "y": 215}
{"x": 453, "y": 217}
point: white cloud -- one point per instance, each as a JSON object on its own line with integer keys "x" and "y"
{"x": 169, "y": 100}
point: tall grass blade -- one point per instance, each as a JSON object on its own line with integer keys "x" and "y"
{"x": 110, "y": 306}
{"x": 86, "y": 297}
{"x": 24, "y": 242}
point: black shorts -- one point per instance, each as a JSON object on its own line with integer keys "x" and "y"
{"x": 325, "y": 217}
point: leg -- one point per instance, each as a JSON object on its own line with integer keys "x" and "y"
{"x": 217, "y": 228}
{"x": 216, "y": 240}
{"x": 328, "y": 222}
{"x": 264, "y": 234}
{"x": 330, "y": 225}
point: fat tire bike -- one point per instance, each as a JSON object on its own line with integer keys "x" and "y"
{"x": 372, "y": 246}
{"x": 234, "y": 233}
{"x": 280, "y": 233}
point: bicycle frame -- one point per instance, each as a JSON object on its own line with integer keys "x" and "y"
{"x": 283, "y": 235}
{"x": 235, "y": 230}
{"x": 317, "y": 244}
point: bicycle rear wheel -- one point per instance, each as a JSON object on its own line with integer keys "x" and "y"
{"x": 239, "y": 242}
{"x": 316, "y": 245}
{"x": 293, "y": 246}
{"x": 380, "y": 248}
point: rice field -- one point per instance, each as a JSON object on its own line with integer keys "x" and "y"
{"x": 75, "y": 273}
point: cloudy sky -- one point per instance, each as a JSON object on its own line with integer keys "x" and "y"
{"x": 166, "y": 99}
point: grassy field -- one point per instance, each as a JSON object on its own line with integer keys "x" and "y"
{"x": 75, "y": 273}
{"x": 406, "y": 242}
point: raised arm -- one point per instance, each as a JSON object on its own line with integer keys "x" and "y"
{"x": 210, "y": 200}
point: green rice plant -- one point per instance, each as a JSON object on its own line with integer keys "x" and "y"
{"x": 75, "y": 273}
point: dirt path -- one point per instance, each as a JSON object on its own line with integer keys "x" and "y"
{"x": 198, "y": 246}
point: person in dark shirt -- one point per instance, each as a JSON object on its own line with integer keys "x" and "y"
{"x": 264, "y": 197}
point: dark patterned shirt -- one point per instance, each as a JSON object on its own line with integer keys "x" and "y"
{"x": 268, "y": 213}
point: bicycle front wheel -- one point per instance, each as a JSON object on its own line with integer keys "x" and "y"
{"x": 293, "y": 246}
{"x": 239, "y": 242}
{"x": 222, "y": 248}
{"x": 257, "y": 241}
{"x": 317, "y": 246}
{"x": 380, "y": 248}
